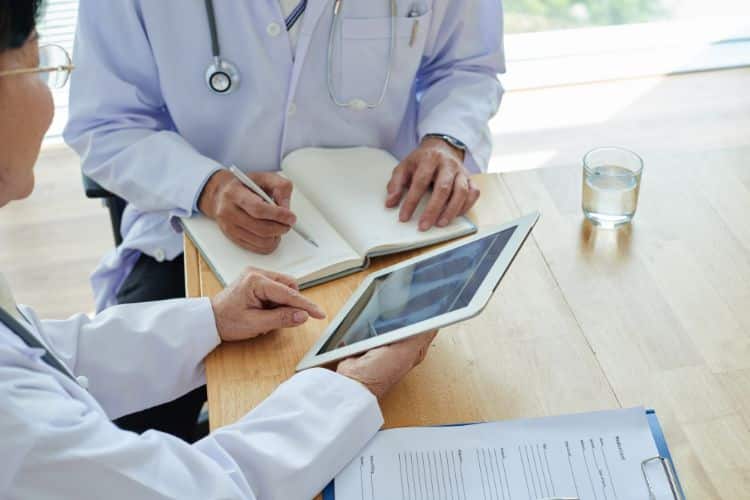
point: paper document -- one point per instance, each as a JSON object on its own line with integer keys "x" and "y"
{"x": 593, "y": 456}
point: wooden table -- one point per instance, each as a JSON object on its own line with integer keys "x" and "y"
{"x": 654, "y": 314}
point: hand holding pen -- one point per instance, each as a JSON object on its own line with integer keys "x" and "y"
{"x": 248, "y": 182}
{"x": 245, "y": 217}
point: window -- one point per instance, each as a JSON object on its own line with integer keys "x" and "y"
{"x": 523, "y": 16}
{"x": 559, "y": 42}
{"x": 58, "y": 26}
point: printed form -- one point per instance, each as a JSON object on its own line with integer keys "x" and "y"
{"x": 591, "y": 456}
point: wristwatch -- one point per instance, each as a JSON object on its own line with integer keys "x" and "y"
{"x": 450, "y": 140}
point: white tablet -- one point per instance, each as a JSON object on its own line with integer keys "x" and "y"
{"x": 434, "y": 290}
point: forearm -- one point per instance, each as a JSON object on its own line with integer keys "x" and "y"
{"x": 55, "y": 446}
{"x": 136, "y": 356}
{"x": 461, "y": 105}
{"x": 287, "y": 448}
{"x": 140, "y": 164}
{"x": 296, "y": 441}
{"x": 457, "y": 84}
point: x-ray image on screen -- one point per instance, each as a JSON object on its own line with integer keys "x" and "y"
{"x": 440, "y": 284}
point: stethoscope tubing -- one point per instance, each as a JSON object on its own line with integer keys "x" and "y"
{"x": 221, "y": 70}
{"x": 356, "y": 103}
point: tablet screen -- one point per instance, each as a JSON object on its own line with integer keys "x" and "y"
{"x": 438, "y": 285}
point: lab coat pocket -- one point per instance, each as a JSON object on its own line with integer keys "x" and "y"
{"x": 365, "y": 59}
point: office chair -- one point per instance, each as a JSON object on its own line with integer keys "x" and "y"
{"x": 114, "y": 204}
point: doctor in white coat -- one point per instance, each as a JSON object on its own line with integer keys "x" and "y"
{"x": 168, "y": 92}
{"x": 158, "y": 106}
{"x": 62, "y": 381}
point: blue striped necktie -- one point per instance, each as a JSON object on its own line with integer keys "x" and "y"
{"x": 295, "y": 14}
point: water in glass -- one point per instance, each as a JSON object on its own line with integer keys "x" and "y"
{"x": 610, "y": 194}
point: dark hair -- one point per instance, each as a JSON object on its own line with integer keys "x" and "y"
{"x": 17, "y": 21}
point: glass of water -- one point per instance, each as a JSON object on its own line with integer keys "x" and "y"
{"x": 611, "y": 181}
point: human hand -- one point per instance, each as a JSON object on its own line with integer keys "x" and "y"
{"x": 243, "y": 216}
{"x": 381, "y": 368}
{"x": 438, "y": 164}
{"x": 258, "y": 302}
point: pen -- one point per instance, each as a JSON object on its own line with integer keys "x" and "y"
{"x": 252, "y": 186}
{"x": 413, "y": 12}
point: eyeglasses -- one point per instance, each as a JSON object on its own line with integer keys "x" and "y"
{"x": 54, "y": 68}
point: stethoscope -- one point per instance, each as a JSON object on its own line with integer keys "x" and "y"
{"x": 359, "y": 104}
{"x": 223, "y": 77}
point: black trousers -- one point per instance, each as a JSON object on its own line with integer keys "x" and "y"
{"x": 151, "y": 280}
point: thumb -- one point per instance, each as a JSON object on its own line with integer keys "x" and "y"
{"x": 267, "y": 320}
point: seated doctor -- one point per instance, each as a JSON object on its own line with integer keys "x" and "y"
{"x": 167, "y": 93}
{"x": 62, "y": 381}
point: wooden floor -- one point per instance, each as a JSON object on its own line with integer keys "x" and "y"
{"x": 50, "y": 242}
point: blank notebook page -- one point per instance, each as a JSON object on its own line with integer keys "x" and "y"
{"x": 349, "y": 187}
{"x": 294, "y": 256}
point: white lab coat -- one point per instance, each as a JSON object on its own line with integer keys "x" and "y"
{"x": 57, "y": 441}
{"x": 148, "y": 128}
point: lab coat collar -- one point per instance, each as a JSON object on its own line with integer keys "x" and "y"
{"x": 309, "y": 23}
{"x": 312, "y": 14}
{"x": 310, "y": 20}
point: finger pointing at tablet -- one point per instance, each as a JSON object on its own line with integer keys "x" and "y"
{"x": 382, "y": 368}
{"x": 259, "y": 302}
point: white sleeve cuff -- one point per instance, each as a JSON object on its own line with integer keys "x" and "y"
{"x": 207, "y": 337}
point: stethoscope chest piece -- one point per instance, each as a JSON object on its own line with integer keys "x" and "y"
{"x": 222, "y": 77}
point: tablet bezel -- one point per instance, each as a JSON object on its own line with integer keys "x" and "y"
{"x": 478, "y": 302}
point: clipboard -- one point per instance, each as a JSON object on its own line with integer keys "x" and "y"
{"x": 664, "y": 458}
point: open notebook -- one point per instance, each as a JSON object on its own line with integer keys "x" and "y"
{"x": 339, "y": 198}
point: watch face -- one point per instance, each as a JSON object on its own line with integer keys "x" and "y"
{"x": 455, "y": 142}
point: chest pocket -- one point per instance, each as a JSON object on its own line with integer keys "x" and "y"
{"x": 365, "y": 59}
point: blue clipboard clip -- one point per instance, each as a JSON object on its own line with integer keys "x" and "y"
{"x": 664, "y": 458}
{"x": 669, "y": 471}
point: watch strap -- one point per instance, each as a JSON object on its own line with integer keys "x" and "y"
{"x": 450, "y": 140}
